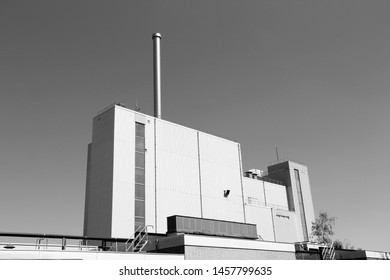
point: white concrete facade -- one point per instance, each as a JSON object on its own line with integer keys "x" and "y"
{"x": 83, "y": 255}
{"x": 187, "y": 172}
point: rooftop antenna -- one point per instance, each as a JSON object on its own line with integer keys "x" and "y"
{"x": 137, "y": 108}
{"x": 157, "y": 74}
{"x": 277, "y": 154}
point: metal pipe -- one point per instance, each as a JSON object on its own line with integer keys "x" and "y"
{"x": 157, "y": 74}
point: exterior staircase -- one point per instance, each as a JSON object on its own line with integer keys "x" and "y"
{"x": 138, "y": 240}
{"x": 328, "y": 252}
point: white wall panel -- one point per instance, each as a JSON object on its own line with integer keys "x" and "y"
{"x": 220, "y": 170}
{"x": 235, "y": 243}
{"x": 276, "y": 195}
{"x": 253, "y": 191}
{"x": 177, "y": 173}
{"x": 262, "y": 217}
{"x": 123, "y": 179}
{"x": 84, "y": 255}
{"x": 285, "y": 226}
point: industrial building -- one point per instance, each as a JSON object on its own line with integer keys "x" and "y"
{"x": 159, "y": 190}
{"x": 142, "y": 170}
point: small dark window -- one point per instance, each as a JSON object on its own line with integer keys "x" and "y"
{"x": 139, "y": 191}
{"x": 139, "y": 160}
{"x": 140, "y": 144}
{"x": 139, "y": 208}
{"x": 139, "y": 175}
{"x": 139, "y": 130}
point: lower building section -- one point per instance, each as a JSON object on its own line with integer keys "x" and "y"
{"x": 82, "y": 255}
{"x": 177, "y": 246}
{"x": 201, "y": 247}
{"x": 214, "y": 253}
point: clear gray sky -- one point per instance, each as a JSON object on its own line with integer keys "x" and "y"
{"x": 310, "y": 77}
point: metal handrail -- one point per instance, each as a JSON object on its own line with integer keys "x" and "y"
{"x": 328, "y": 252}
{"x": 265, "y": 179}
{"x": 264, "y": 204}
{"x": 48, "y": 246}
{"x": 133, "y": 236}
{"x": 139, "y": 236}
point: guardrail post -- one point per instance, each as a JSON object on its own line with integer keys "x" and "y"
{"x": 63, "y": 245}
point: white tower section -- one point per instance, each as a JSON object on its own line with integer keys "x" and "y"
{"x": 186, "y": 172}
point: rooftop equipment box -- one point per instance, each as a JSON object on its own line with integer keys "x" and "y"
{"x": 182, "y": 224}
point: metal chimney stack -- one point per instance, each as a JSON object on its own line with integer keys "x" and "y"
{"x": 157, "y": 74}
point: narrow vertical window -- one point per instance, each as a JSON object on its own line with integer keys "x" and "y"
{"x": 139, "y": 184}
{"x": 301, "y": 205}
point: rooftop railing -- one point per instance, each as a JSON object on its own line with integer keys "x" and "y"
{"x": 262, "y": 178}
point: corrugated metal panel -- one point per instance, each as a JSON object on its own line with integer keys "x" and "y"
{"x": 175, "y": 203}
{"x": 180, "y": 224}
{"x": 220, "y": 170}
{"x": 211, "y": 253}
{"x": 178, "y": 189}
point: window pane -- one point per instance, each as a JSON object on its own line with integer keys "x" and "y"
{"x": 140, "y": 144}
{"x": 139, "y": 160}
{"x": 139, "y": 129}
{"x": 139, "y": 191}
{"x": 139, "y": 208}
{"x": 139, "y": 175}
{"x": 138, "y": 222}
